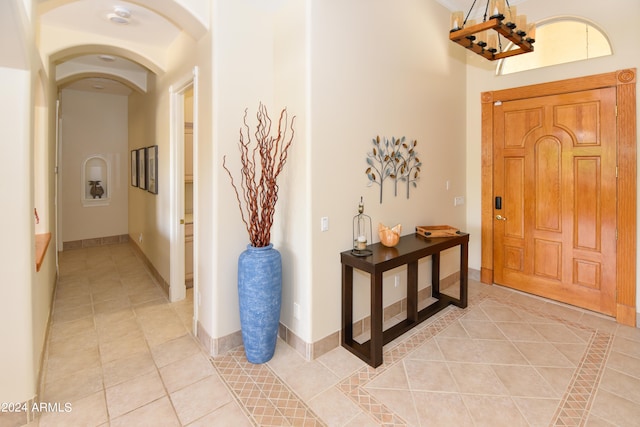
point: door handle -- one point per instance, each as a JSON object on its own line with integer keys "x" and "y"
{"x": 182, "y": 221}
{"x": 500, "y": 218}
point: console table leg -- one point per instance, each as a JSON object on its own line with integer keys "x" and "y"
{"x": 347, "y": 304}
{"x": 464, "y": 274}
{"x": 435, "y": 275}
{"x": 376, "y": 320}
{"x": 412, "y": 291}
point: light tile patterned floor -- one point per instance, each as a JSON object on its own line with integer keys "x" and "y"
{"x": 123, "y": 356}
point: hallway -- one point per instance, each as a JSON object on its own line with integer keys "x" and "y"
{"x": 122, "y": 355}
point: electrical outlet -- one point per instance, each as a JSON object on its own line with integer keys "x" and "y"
{"x": 140, "y": 238}
{"x": 459, "y": 200}
{"x": 324, "y": 223}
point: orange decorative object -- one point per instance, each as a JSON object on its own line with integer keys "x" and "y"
{"x": 389, "y": 236}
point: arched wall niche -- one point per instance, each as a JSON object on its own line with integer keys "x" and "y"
{"x": 96, "y": 181}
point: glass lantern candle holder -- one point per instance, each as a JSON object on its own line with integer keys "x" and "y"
{"x": 362, "y": 232}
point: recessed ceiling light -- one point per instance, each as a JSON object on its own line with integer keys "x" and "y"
{"x": 117, "y": 19}
{"x": 107, "y": 58}
{"x": 122, "y": 12}
{"x": 120, "y": 15}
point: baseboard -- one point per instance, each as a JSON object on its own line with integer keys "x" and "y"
{"x": 20, "y": 413}
{"x": 309, "y": 350}
{"x": 152, "y": 269}
{"x": 217, "y": 346}
{"x": 98, "y": 241}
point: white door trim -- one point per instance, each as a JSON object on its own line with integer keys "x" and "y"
{"x": 177, "y": 289}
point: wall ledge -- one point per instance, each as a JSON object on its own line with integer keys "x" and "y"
{"x": 42, "y": 243}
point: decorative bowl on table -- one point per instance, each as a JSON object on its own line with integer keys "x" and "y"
{"x": 389, "y": 236}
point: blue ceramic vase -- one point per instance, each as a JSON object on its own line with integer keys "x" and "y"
{"x": 260, "y": 296}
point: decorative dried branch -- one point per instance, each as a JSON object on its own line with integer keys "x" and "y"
{"x": 261, "y": 165}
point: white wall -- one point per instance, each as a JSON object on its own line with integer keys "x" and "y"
{"x": 291, "y": 233}
{"x": 380, "y": 68}
{"x": 315, "y": 53}
{"x": 243, "y": 74}
{"x": 17, "y": 376}
{"x": 149, "y": 124}
{"x": 25, "y": 296}
{"x": 481, "y": 78}
{"x": 93, "y": 124}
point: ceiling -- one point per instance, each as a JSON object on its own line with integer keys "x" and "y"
{"x": 464, "y": 5}
{"x": 144, "y": 29}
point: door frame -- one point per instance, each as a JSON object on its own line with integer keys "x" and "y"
{"x": 625, "y": 83}
{"x": 177, "y": 288}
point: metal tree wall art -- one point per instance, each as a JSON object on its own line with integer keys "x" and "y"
{"x": 394, "y": 159}
{"x": 410, "y": 164}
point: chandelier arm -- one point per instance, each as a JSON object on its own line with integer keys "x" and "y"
{"x": 469, "y": 13}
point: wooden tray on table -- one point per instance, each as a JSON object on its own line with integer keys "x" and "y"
{"x": 437, "y": 230}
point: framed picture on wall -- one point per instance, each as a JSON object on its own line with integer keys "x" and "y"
{"x": 142, "y": 170}
{"x": 134, "y": 168}
{"x": 152, "y": 169}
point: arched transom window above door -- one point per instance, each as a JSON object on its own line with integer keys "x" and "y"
{"x": 558, "y": 41}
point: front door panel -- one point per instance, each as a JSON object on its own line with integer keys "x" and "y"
{"x": 555, "y": 170}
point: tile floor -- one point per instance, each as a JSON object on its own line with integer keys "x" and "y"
{"x": 121, "y": 355}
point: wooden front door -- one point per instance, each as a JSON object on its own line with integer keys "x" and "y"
{"x": 555, "y": 197}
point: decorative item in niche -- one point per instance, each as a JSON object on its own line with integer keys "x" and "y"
{"x": 362, "y": 232}
{"x": 134, "y": 168}
{"x": 142, "y": 170}
{"x": 95, "y": 178}
{"x": 152, "y": 169}
{"x": 395, "y": 159}
{"x": 96, "y": 189}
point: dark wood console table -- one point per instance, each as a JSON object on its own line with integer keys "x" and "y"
{"x": 407, "y": 252}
